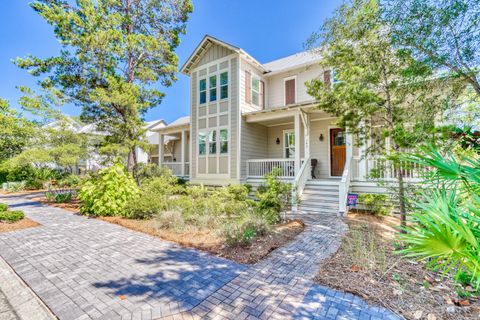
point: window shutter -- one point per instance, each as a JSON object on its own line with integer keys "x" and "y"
{"x": 290, "y": 91}
{"x": 262, "y": 94}
{"x": 327, "y": 77}
{"x": 248, "y": 88}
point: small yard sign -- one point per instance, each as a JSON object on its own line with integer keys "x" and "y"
{"x": 352, "y": 199}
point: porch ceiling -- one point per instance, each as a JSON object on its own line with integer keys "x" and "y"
{"x": 280, "y": 116}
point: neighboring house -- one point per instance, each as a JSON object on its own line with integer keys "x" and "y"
{"x": 248, "y": 117}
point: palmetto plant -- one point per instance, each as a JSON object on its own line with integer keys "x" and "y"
{"x": 445, "y": 228}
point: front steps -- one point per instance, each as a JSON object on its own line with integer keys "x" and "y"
{"x": 320, "y": 196}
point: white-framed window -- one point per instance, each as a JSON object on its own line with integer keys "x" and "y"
{"x": 212, "y": 142}
{"x": 212, "y": 85}
{"x": 202, "y": 91}
{"x": 202, "y": 144}
{"x": 224, "y": 85}
{"x": 223, "y": 141}
{"x": 255, "y": 91}
{"x": 289, "y": 144}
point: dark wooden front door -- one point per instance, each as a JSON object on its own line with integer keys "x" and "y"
{"x": 338, "y": 153}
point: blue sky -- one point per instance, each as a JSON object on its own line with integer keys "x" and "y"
{"x": 266, "y": 29}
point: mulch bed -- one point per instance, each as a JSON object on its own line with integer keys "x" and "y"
{"x": 19, "y": 225}
{"x": 406, "y": 287}
{"x": 205, "y": 240}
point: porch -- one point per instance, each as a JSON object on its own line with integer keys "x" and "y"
{"x": 173, "y": 148}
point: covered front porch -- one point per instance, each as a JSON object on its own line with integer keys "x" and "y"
{"x": 173, "y": 148}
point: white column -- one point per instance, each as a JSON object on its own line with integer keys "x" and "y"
{"x": 182, "y": 152}
{"x": 161, "y": 148}
{"x": 362, "y": 153}
{"x": 297, "y": 125}
{"x": 306, "y": 135}
{"x": 349, "y": 144}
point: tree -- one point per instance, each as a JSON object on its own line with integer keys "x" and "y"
{"x": 380, "y": 92}
{"x": 114, "y": 52}
{"x": 15, "y": 131}
{"x": 442, "y": 33}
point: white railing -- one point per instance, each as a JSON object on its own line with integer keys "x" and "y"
{"x": 378, "y": 168}
{"x": 176, "y": 168}
{"x": 299, "y": 183}
{"x": 258, "y": 168}
{"x": 344, "y": 187}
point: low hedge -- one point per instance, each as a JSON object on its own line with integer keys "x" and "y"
{"x": 11, "y": 216}
{"x": 3, "y": 207}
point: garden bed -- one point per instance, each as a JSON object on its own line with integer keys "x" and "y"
{"x": 367, "y": 266}
{"x": 25, "y": 223}
{"x": 206, "y": 240}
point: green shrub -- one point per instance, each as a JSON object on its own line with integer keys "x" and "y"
{"x": 72, "y": 180}
{"x": 377, "y": 204}
{"x": 34, "y": 184}
{"x": 3, "y": 207}
{"x": 60, "y": 196}
{"x": 144, "y": 171}
{"x": 11, "y": 216}
{"x": 243, "y": 232}
{"x": 172, "y": 220}
{"x": 14, "y": 186}
{"x": 274, "y": 197}
{"x": 109, "y": 193}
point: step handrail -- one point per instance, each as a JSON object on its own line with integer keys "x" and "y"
{"x": 299, "y": 184}
{"x": 344, "y": 186}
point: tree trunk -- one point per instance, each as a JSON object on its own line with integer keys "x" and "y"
{"x": 132, "y": 160}
{"x": 402, "y": 200}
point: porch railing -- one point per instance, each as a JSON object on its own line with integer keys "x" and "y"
{"x": 344, "y": 186}
{"x": 299, "y": 183}
{"x": 378, "y": 168}
{"x": 176, "y": 168}
{"x": 258, "y": 168}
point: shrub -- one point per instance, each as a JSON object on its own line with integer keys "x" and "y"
{"x": 274, "y": 197}
{"x": 377, "y": 204}
{"x": 243, "y": 232}
{"x": 14, "y": 186}
{"x": 144, "y": 171}
{"x": 109, "y": 193}
{"x": 3, "y": 207}
{"x": 11, "y": 216}
{"x": 172, "y": 220}
{"x": 72, "y": 180}
{"x": 34, "y": 184}
{"x": 60, "y": 196}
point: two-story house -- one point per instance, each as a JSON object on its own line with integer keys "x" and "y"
{"x": 247, "y": 118}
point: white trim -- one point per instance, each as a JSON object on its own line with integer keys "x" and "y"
{"x": 239, "y": 116}
{"x": 285, "y": 92}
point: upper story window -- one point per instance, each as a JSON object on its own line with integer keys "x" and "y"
{"x": 213, "y": 88}
{"x": 290, "y": 91}
{"x": 203, "y": 91}
{"x": 224, "y": 85}
{"x": 255, "y": 91}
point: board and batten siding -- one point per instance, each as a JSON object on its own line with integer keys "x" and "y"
{"x": 193, "y": 124}
{"x": 234, "y": 118}
{"x": 275, "y": 96}
{"x": 213, "y": 53}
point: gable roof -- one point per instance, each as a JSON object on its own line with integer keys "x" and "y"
{"x": 291, "y": 62}
{"x": 205, "y": 44}
{"x": 154, "y": 124}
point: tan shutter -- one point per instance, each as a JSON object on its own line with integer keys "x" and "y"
{"x": 262, "y": 94}
{"x": 290, "y": 91}
{"x": 327, "y": 77}
{"x": 248, "y": 88}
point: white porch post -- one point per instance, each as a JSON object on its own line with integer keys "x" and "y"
{"x": 182, "y": 154}
{"x": 349, "y": 144}
{"x": 297, "y": 142}
{"x": 160, "y": 148}
{"x": 362, "y": 162}
{"x": 306, "y": 134}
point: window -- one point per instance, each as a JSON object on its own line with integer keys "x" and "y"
{"x": 255, "y": 91}
{"x": 290, "y": 91}
{"x": 201, "y": 143}
{"x": 213, "y": 88}
{"x": 223, "y": 141}
{"x": 212, "y": 142}
{"x": 289, "y": 144}
{"x": 339, "y": 138}
{"x": 203, "y": 91}
{"x": 224, "y": 85}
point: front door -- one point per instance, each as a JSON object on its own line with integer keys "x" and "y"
{"x": 338, "y": 152}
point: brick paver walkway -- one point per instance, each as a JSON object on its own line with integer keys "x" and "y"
{"x": 88, "y": 269}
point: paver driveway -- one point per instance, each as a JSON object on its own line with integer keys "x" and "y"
{"x": 88, "y": 269}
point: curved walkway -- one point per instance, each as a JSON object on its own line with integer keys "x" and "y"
{"x": 88, "y": 269}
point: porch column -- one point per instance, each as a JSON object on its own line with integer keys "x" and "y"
{"x": 306, "y": 134}
{"x": 182, "y": 153}
{"x": 161, "y": 146}
{"x": 349, "y": 144}
{"x": 362, "y": 153}
{"x": 297, "y": 125}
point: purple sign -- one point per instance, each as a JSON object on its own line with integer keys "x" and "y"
{"x": 352, "y": 199}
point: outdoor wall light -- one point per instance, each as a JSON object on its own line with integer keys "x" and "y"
{"x": 320, "y": 137}
{"x": 278, "y": 140}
